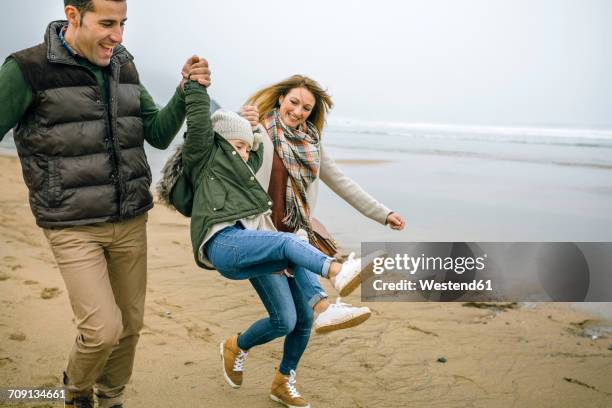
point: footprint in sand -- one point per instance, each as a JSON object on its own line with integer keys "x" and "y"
{"x": 50, "y": 293}
{"x": 47, "y": 381}
{"x": 5, "y": 360}
{"x": 17, "y": 336}
{"x": 196, "y": 332}
{"x": 4, "y": 276}
{"x": 30, "y": 282}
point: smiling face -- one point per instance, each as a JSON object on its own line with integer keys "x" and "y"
{"x": 296, "y": 106}
{"x": 241, "y": 147}
{"x": 96, "y": 33}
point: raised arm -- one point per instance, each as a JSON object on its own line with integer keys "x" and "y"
{"x": 200, "y": 136}
{"x": 162, "y": 125}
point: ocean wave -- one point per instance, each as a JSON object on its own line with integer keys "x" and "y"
{"x": 521, "y": 135}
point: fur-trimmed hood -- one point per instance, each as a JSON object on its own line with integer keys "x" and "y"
{"x": 171, "y": 172}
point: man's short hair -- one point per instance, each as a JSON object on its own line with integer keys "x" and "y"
{"x": 82, "y": 5}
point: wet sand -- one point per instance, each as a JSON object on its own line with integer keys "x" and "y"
{"x": 514, "y": 357}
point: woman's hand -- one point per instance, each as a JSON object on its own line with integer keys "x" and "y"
{"x": 395, "y": 221}
{"x": 251, "y": 114}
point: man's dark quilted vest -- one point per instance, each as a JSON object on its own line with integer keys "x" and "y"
{"x": 83, "y": 160}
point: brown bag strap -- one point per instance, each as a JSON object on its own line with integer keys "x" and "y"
{"x": 319, "y": 228}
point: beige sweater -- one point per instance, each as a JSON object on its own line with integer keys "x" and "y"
{"x": 335, "y": 179}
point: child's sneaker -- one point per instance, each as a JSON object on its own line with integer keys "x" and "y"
{"x": 352, "y": 272}
{"x": 233, "y": 359}
{"x": 284, "y": 391}
{"x": 340, "y": 316}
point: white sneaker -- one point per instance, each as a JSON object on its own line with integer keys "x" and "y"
{"x": 341, "y": 316}
{"x": 353, "y": 271}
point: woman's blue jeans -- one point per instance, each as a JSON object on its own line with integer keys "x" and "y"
{"x": 238, "y": 253}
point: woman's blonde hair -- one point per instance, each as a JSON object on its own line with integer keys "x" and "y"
{"x": 266, "y": 99}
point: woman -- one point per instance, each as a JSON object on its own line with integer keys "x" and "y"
{"x": 293, "y": 114}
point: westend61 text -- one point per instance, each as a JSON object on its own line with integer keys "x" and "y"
{"x": 429, "y": 285}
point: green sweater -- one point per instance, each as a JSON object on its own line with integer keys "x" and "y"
{"x": 160, "y": 125}
{"x": 224, "y": 186}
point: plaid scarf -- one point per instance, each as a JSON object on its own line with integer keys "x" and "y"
{"x": 299, "y": 150}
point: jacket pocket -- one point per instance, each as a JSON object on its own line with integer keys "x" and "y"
{"x": 54, "y": 183}
{"x": 216, "y": 193}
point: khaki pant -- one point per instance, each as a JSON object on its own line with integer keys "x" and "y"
{"x": 104, "y": 267}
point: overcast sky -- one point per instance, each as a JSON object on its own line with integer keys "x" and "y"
{"x": 489, "y": 62}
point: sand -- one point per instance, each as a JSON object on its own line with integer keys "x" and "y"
{"x": 523, "y": 357}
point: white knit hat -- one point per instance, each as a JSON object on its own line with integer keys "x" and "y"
{"x": 232, "y": 126}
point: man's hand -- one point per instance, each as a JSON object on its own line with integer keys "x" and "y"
{"x": 250, "y": 113}
{"x": 196, "y": 69}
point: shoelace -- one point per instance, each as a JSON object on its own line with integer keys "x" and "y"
{"x": 240, "y": 359}
{"x": 351, "y": 257}
{"x": 339, "y": 303}
{"x": 291, "y": 385}
{"x": 349, "y": 261}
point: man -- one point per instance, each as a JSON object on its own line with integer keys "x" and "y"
{"x": 81, "y": 117}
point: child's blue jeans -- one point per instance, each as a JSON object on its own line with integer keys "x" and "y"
{"x": 238, "y": 253}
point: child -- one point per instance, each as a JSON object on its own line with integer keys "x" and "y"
{"x": 231, "y": 231}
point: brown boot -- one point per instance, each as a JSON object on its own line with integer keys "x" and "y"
{"x": 81, "y": 399}
{"x": 284, "y": 391}
{"x": 233, "y": 361}
{"x": 107, "y": 402}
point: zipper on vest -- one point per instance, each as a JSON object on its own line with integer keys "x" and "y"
{"x": 110, "y": 145}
